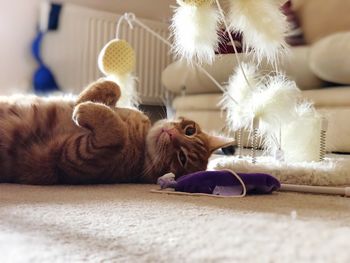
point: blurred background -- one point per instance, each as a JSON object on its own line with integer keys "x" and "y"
{"x": 19, "y": 20}
{"x": 319, "y": 61}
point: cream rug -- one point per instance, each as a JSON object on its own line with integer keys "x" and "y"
{"x": 333, "y": 171}
{"x": 127, "y": 223}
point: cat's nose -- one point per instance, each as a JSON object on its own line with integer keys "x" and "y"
{"x": 171, "y": 132}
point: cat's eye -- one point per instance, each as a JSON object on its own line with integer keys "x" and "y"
{"x": 181, "y": 156}
{"x": 190, "y": 130}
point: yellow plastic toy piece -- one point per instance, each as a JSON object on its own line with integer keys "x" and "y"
{"x": 117, "y": 58}
{"x": 195, "y": 2}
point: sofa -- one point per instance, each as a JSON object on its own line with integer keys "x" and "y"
{"x": 320, "y": 67}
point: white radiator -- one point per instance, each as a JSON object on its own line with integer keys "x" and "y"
{"x": 72, "y": 51}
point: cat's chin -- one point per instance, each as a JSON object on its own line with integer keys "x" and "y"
{"x": 162, "y": 139}
{"x": 157, "y": 141}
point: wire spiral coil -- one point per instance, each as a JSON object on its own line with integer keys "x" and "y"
{"x": 323, "y": 139}
{"x": 239, "y": 142}
{"x": 254, "y": 141}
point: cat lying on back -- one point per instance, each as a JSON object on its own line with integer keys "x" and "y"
{"x": 87, "y": 141}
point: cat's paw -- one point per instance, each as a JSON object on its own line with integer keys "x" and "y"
{"x": 79, "y": 112}
{"x": 90, "y": 114}
{"x": 101, "y": 91}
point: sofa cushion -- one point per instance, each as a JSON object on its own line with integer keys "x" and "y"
{"x": 178, "y": 75}
{"x": 326, "y": 97}
{"x": 297, "y": 68}
{"x": 338, "y": 135}
{"x": 208, "y": 102}
{"x": 329, "y": 97}
{"x": 330, "y": 58}
{"x": 320, "y": 18}
{"x": 209, "y": 121}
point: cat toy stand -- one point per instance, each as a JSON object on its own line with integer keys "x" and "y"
{"x": 277, "y": 89}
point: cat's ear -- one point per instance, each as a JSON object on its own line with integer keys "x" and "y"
{"x": 217, "y": 142}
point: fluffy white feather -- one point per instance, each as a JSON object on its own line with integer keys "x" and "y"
{"x": 263, "y": 26}
{"x": 194, "y": 29}
{"x": 270, "y": 99}
{"x": 129, "y": 97}
{"x": 274, "y": 105}
{"x": 301, "y": 137}
{"x": 240, "y": 116}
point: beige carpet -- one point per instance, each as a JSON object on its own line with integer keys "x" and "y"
{"x": 126, "y": 223}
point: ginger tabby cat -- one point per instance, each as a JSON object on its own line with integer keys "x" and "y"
{"x": 48, "y": 141}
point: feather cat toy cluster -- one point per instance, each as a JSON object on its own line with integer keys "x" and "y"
{"x": 269, "y": 105}
{"x": 266, "y": 104}
{"x": 196, "y": 23}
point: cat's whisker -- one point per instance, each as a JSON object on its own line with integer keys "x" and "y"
{"x": 161, "y": 115}
{"x": 164, "y": 111}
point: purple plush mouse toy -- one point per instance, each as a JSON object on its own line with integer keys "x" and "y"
{"x": 224, "y": 183}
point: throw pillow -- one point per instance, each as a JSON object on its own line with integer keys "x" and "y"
{"x": 330, "y": 58}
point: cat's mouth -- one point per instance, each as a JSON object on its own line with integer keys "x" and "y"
{"x": 166, "y": 136}
{"x": 163, "y": 137}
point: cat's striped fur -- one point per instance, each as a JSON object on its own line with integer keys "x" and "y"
{"x": 89, "y": 140}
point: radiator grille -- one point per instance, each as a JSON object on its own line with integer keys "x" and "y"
{"x": 72, "y": 51}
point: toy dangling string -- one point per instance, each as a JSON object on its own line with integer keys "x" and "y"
{"x": 131, "y": 18}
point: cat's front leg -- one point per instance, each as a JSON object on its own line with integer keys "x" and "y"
{"x": 88, "y": 156}
{"x": 101, "y": 91}
{"x": 106, "y": 126}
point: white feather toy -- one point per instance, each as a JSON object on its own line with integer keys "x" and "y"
{"x": 241, "y": 87}
{"x": 195, "y": 26}
{"x": 274, "y": 105}
{"x": 129, "y": 97}
{"x": 263, "y": 26}
{"x": 301, "y": 137}
{"x": 270, "y": 100}
{"x": 275, "y": 102}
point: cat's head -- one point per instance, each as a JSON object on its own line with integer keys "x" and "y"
{"x": 180, "y": 147}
